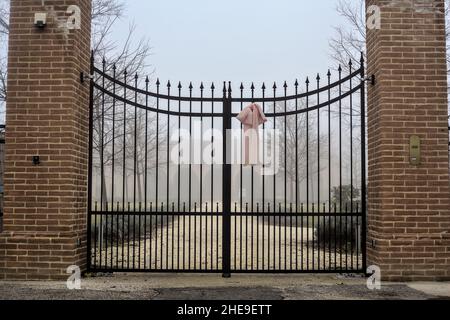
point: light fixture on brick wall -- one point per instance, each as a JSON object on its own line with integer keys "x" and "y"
{"x": 40, "y": 20}
{"x": 36, "y": 160}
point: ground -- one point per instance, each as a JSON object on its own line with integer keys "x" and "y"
{"x": 213, "y": 287}
{"x": 256, "y": 244}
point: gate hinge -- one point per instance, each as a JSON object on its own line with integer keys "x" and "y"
{"x": 83, "y": 76}
{"x": 370, "y": 79}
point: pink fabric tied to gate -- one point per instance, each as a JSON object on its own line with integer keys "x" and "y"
{"x": 251, "y": 118}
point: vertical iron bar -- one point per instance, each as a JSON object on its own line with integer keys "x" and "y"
{"x": 124, "y": 176}
{"x": 335, "y": 236}
{"x": 113, "y": 164}
{"x": 307, "y": 174}
{"x": 226, "y": 191}
{"x": 351, "y": 167}
{"x": 172, "y": 228}
{"x": 147, "y": 81}
{"x": 206, "y": 235}
{"x": 118, "y": 215}
{"x": 268, "y": 236}
{"x": 213, "y": 156}
{"x": 346, "y": 236}
{"x": 139, "y": 235}
{"x": 246, "y": 236}
{"x": 252, "y": 205}
{"x": 91, "y": 133}
{"x": 95, "y": 236}
{"x": 235, "y": 240}
{"x": 150, "y": 235}
{"x": 363, "y": 167}
{"x": 217, "y": 236}
{"x": 241, "y": 206}
{"x": 257, "y": 236}
{"x": 156, "y": 236}
{"x": 279, "y": 236}
{"x": 128, "y": 236}
{"x": 102, "y": 169}
{"x": 290, "y": 230}
{"x": 329, "y": 169}
{"x": 318, "y": 173}
{"x": 162, "y": 236}
{"x": 184, "y": 235}
{"x": 190, "y": 174}
{"x": 301, "y": 238}
{"x": 263, "y": 186}
{"x": 274, "y": 176}
{"x": 179, "y": 177}
{"x": 168, "y": 175}
{"x": 201, "y": 173}
{"x": 157, "y": 174}
{"x": 357, "y": 236}
{"x": 296, "y": 176}
{"x": 285, "y": 176}
{"x": 135, "y": 169}
{"x": 340, "y": 163}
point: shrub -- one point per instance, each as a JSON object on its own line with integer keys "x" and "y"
{"x": 339, "y": 231}
{"x": 123, "y": 227}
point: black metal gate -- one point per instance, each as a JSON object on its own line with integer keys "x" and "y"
{"x": 149, "y": 212}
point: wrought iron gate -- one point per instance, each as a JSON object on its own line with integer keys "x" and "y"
{"x": 149, "y": 213}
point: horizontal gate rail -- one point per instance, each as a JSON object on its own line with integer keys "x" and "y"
{"x": 150, "y": 213}
{"x": 259, "y": 214}
{"x": 124, "y": 85}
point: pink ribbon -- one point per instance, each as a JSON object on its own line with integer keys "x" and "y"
{"x": 251, "y": 118}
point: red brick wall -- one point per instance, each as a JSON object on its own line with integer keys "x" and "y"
{"x": 47, "y": 115}
{"x": 409, "y": 206}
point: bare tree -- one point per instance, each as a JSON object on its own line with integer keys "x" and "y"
{"x": 4, "y": 30}
{"x": 348, "y": 42}
{"x": 298, "y": 155}
{"x": 127, "y": 59}
{"x": 129, "y": 56}
{"x": 350, "y": 38}
{"x": 347, "y": 45}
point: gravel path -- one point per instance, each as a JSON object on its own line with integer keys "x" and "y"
{"x": 196, "y": 243}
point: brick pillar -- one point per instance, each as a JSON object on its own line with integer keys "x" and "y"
{"x": 47, "y": 116}
{"x": 409, "y": 205}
